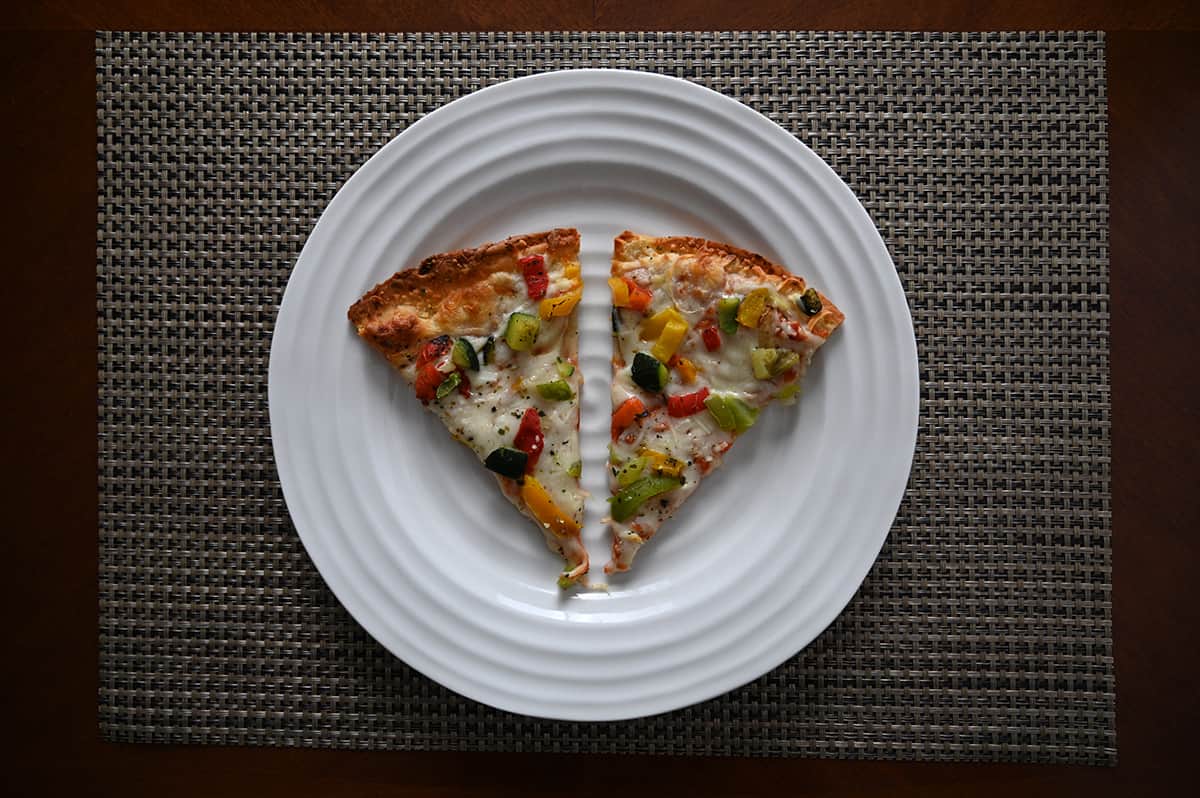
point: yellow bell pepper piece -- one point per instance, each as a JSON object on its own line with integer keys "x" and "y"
{"x": 560, "y": 305}
{"x": 662, "y": 463}
{"x": 571, "y": 270}
{"x": 669, "y": 341}
{"x": 752, "y": 307}
{"x": 653, "y": 326}
{"x": 620, "y": 291}
{"x": 686, "y": 369}
{"x": 545, "y": 510}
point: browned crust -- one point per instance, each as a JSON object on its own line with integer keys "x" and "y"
{"x": 744, "y": 262}
{"x": 452, "y": 292}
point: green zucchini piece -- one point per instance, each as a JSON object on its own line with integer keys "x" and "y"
{"x": 556, "y": 391}
{"x": 464, "y": 355}
{"x": 507, "y": 462}
{"x": 769, "y": 363}
{"x": 521, "y": 331}
{"x": 649, "y": 372}
{"x": 730, "y": 412}
{"x": 810, "y": 301}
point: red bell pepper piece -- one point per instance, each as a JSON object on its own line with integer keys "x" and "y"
{"x": 428, "y": 380}
{"x": 536, "y": 279}
{"x": 432, "y": 349}
{"x": 711, "y": 338}
{"x": 530, "y": 438}
{"x": 686, "y": 404}
{"x": 428, "y": 376}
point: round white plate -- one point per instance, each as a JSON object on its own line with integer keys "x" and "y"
{"x": 409, "y": 530}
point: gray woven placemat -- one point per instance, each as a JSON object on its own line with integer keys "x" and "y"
{"x": 984, "y": 630}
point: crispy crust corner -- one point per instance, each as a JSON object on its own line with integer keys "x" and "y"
{"x": 751, "y": 264}
{"x": 449, "y": 292}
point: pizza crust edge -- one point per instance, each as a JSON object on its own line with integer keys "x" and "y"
{"x": 453, "y": 292}
{"x": 629, "y": 245}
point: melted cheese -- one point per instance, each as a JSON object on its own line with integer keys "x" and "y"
{"x": 697, "y": 440}
{"x": 501, "y": 392}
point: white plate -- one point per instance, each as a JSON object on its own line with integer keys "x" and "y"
{"x": 410, "y": 532}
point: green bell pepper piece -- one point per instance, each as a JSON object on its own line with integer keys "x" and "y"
{"x": 630, "y": 499}
{"x": 730, "y": 412}
{"x": 448, "y": 385}
{"x": 631, "y": 472}
{"x": 788, "y": 392}
{"x": 727, "y": 309}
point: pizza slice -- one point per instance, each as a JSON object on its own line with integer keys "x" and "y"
{"x": 705, "y": 336}
{"x": 488, "y": 339}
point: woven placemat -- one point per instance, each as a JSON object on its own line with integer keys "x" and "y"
{"x": 983, "y": 632}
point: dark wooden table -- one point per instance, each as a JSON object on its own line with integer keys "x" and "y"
{"x": 50, "y": 665}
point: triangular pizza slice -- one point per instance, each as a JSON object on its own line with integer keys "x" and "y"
{"x": 705, "y": 336}
{"x": 488, "y": 339}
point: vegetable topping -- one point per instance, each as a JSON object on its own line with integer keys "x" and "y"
{"x": 687, "y": 404}
{"x": 625, "y": 414}
{"x": 649, "y": 372}
{"x": 464, "y": 355}
{"x": 530, "y": 439}
{"x": 429, "y": 376}
{"x": 628, "y": 294}
{"x": 452, "y": 381}
{"x": 560, "y": 305}
{"x": 750, "y": 311}
{"x": 769, "y": 363}
{"x": 521, "y": 331}
{"x": 631, "y": 471}
{"x": 630, "y": 499}
{"x": 810, "y": 301}
{"x": 507, "y": 462}
{"x": 669, "y": 341}
{"x": 536, "y": 279}
{"x": 538, "y": 500}
{"x": 556, "y": 391}
{"x": 727, "y": 310}
{"x": 730, "y": 412}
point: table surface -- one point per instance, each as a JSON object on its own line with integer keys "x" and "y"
{"x": 50, "y": 596}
